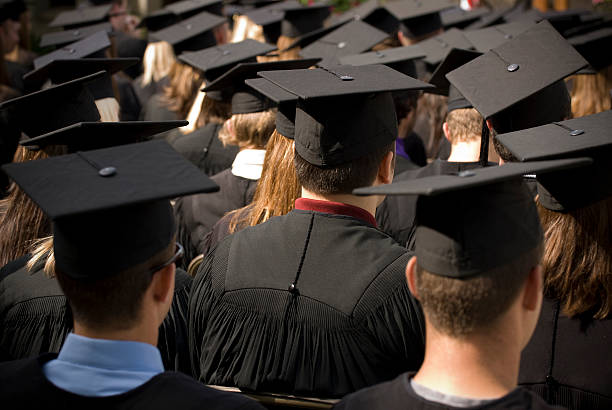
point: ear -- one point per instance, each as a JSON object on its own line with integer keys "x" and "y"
{"x": 490, "y": 126}
{"x": 402, "y": 38}
{"x": 163, "y": 284}
{"x": 445, "y": 129}
{"x": 411, "y": 276}
{"x": 386, "y": 169}
{"x": 532, "y": 293}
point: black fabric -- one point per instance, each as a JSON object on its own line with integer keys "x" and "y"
{"x": 404, "y": 164}
{"x": 24, "y": 385}
{"x": 9, "y": 139}
{"x": 567, "y": 360}
{"x": 246, "y": 102}
{"x": 398, "y": 394}
{"x": 156, "y": 109}
{"x": 396, "y": 215}
{"x": 350, "y": 322}
{"x": 15, "y": 73}
{"x": 144, "y": 93}
{"x": 204, "y": 149}
{"x": 414, "y": 147}
{"x": 128, "y": 100}
{"x": 35, "y": 318}
{"x": 197, "y": 214}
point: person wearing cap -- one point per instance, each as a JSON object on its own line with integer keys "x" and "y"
{"x": 567, "y": 360}
{"x": 418, "y": 20}
{"x": 481, "y": 298}
{"x": 118, "y": 301}
{"x": 10, "y": 25}
{"x": 157, "y": 63}
{"x": 309, "y": 303}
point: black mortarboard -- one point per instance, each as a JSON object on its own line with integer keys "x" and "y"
{"x": 490, "y": 206}
{"x": 311, "y": 37}
{"x": 493, "y": 17}
{"x": 300, "y": 19}
{"x": 11, "y": 9}
{"x": 520, "y": 14}
{"x": 61, "y": 38}
{"x": 590, "y": 22}
{"x": 563, "y": 20}
{"x": 352, "y": 38}
{"x": 455, "y": 58}
{"x": 372, "y": 13}
{"x": 191, "y": 34}
{"x": 284, "y": 100}
{"x": 91, "y": 46}
{"x": 519, "y": 68}
{"x": 436, "y": 48}
{"x": 492, "y": 37}
{"x": 55, "y": 107}
{"x": 460, "y": 18}
{"x": 245, "y": 99}
{"x": 86, "y": 136}
{"x": 269, "y": 18}
{"x": 81, "y": 17}
{"x": 344, "y": 112}
{"x": 595, "y": 47}
{"x": 418, "y": 17}
{"x": 158, "y": 20}
{"x": 188, "y": 8}
{"x": 110, "y": 207}
{"x": 398, "y": 58}
{"x": 585, "y": 136}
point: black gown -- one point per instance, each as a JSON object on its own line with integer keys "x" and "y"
{"x": 23, "y": 385}
{"x": 129, "y": 104}
{"x": 197, "y": 214}
{"x": 204, "y": 149}
{"x": 349, "y": 322}
{"x": 35, "y": 318}
{"x": 396, "y": 214}
{"x": 144, "y": 93}
{"x": 568, "y": 361}
{"x": 398, "y": 394}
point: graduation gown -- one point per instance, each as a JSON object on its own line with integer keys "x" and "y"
{"x": 398, "y": 394}
{"x": 35, "y": 318}
{"x": 144, "y": 93}
{"x": 128, "y": 101}
{"x": 204, "y": 149}
{"x": 568, "y": 361}
{"x": 347, "y": 322}
{"x": 197, "y": 214}
{"x": 23, "y": 385}
{"x": 396, "y": 214}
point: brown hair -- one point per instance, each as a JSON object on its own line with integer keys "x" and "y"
{"x": 578, "y": 258}
{"x": 458, "y": 307}
{"x": 183, "y": 88}
{"x": 213, "y": 111}
{"x": 113, "y": 302}
{"x": 292, "y": 54}
{"x": 464, "y": 124}
{"x": 277, "y": 189}
{"x": 434, "y": 108}
{"x": 591, "y": 93}
{"x": 251, "y": 130}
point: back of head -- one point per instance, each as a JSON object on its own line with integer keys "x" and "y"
{"x": 157, "y": 61}
{"x": 591, "y": 93}
{"x": 464, "y": 125}
{"x": 183, "y": 88}
{"x": 251, "y": 130}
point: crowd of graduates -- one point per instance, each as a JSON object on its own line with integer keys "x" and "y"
{"x": 407, "y": 204}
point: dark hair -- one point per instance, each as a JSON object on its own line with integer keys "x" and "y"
{"x": 458, "y": 307}
{"x": 341, "y": 179}
{"x": 113, "y": 302}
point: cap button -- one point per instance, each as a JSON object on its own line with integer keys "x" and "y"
{"x": 76, "y": 33}
{"x": 342, "y": 44}
{"x": 107, "y": 171}
{"x": 225, "y": 52}
{"x": 513, "y": 67}
{"x": 346, "y": 78}
{"x": 379, "y": 54}
{"x": 71, "y": 51}
{"x": 188, "y": 26}
{"x": 205, "y": 149}
{"x": 466, "y": 173}
{"x": 576, "y": 133}
{"x": 508, "y": 36}
{"x": 293, "y": 289}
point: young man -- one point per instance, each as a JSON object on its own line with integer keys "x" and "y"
{"x": 314, "y": 302}
{"x": 114, "y": 248}
{"x": 476, "y": 274}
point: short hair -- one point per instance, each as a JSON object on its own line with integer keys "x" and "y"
{"x": 459, "y": 306}
{"x": 341, "y": 179}
{"x": 250, "y": 130}
{"x": 464, "y": 125}
{"x": 113, "y": 302}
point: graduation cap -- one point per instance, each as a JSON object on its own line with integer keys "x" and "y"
{"x": 311, "y": 37}
{"x": 61, "y": 38}
{"x": 455, "y": 58}
{"x": 55, "y": 107}
{"x": 493, "y": 17}
{"x": 91, "y": 46}
{"x": 284, "y": 100}
{"x": 11, "y": 9}
{"x": 191, "y": 34}
{"x": 418, "y": 17}
{"x": 492, "y": 37}
{"x": 300, "y": 19}
{"x": 344, "y": 112}
{"x": 372, "y": 13}
{"x": 595, "y": 47}
{"x": 110, "y": 207}
{"x": 437, "y": 47}
{"x": 490, "y": 206}
{"x": 158, "y": 20}
{"x": 399, "y": 58}
{"x": 351, "y": 38}
{"x": 86, "y": 136}
{"x": 269, "y": 18}
{"x": 188, "y": 8}
{"x": 460, "y": 18}
{"x": 81, "y": 17}
{"x": 526, "y": 65}
{"x": 245, "y": 99}
{"x": 585, "y": 136}
{"x": 563, "y": 20}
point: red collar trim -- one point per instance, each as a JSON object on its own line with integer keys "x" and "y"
{"x": 335, "y": 208}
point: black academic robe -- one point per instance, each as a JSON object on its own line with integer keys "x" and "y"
{"x": 15, "y": 72}
{"x": 348, "y": 321}
{"x": 128, "y": 100}
{"x": 35, "y": 318}
{"x": 23, "y": 385}
{"x": 204, "y": 149}
{"x": 398, "y": 394}
{"x": 568, "y": 361}
{"x": 197, "y": 214}
{"x": 396, "y": 214}
{"x": 144, "y": 93}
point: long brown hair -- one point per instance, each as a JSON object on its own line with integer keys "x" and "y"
{"x": 591, "y": 93}
{"x": 252, "y": 130}
{"x": 434, "y": 108}
{"x": 183, "y": 88}
{"x": 277, "y": 189}
{"x": 578, "y": 258}
{"x": 213, "y": 111}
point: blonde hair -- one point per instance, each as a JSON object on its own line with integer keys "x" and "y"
{"x": 42, "y": 249}
{"x": 464, "y": 125}
{"x": 250, "y": 130}
{"x": 157, "y": 62}
{"x": 183, "y": 88}
{"x": 591, "y": 93}
{"x": 108, "y": 109}
{"x": 292, "y": 54}
{"x": 245, "y": 28}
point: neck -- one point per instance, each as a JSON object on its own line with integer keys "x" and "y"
{"x": 139, "y": 333}
{"x": 477, "y": 366}
{"x": 465, "y": 151}
{"x": 369, "y": 203}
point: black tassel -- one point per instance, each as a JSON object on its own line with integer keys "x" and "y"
{"x": 484, "y": 145}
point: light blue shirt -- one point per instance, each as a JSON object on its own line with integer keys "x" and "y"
{"x": 100, "y": 367}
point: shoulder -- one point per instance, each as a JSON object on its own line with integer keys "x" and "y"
{"x": 24, "y": 285}
{"x": 523, "y": 399}
{"x": 389, "y": 395}
{"x": 14, "y": 373}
